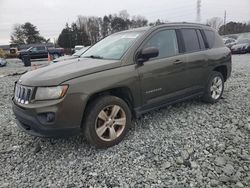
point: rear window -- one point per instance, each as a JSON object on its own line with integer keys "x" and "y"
{"x": 210, "y": 35}
{"x": 191, "y": 40}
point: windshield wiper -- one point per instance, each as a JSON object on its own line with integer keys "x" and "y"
{"x": 94, "y": 57}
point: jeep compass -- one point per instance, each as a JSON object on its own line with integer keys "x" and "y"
{"x": 123, "y": 76}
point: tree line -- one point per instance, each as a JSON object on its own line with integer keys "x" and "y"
{"x": 26, "y": 33}
{"x": 88, "y": 30}
{"x": 228, "y": 28}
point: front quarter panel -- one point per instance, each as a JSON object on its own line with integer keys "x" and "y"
{"x": 125, "y": 76}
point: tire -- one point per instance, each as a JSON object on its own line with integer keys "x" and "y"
{"x": 213, "y": 91}
{"x": 99, "y": 124}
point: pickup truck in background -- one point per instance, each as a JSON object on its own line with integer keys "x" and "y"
{"x": 39, "y": 52}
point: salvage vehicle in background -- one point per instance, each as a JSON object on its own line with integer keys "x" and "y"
{"x": 2, "y": 53}
{"x": 74, "y": 56}
{"x": 40, "y": 52}
{"x": 3, "y": 62}
{"x": 13, "y": 53}
{"x": 229, "y": 42}
{"x": 241, "y": 47}
{"x": 126, "y": 74}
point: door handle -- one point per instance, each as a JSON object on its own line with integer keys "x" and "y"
{"x": 177, "y": 61}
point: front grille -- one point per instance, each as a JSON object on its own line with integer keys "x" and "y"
{"x": 23, "y": 94}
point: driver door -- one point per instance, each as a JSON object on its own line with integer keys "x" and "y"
{"x": 162, "y": 78}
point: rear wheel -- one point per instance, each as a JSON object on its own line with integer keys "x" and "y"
{"x": 107, "y": 121}
{"x": 214, "y": 88}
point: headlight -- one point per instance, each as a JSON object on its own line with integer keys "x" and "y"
{"x": 47, "y": 93}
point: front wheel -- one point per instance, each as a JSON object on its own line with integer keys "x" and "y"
{"x": 107, "y": 121}
{"x": 214, "y": 88}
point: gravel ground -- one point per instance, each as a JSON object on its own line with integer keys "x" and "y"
{"x": 190, "y": 144}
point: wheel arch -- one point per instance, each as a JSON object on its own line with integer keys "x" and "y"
{"x": 122, "y": 92}
{"x": 223, "y": 70}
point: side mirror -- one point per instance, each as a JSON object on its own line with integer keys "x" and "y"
{"x": 146, "y": 53}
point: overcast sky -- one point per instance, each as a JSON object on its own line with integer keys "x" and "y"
{"x": 50, "y": 16}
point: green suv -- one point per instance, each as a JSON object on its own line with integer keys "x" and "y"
{"x": 123, "y": 76}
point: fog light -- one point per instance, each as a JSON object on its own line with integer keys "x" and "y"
{"x": 50, "y": 117}
{"x": 46, "y": 118}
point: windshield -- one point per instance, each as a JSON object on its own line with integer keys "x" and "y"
{"x": 113, "y": 46}
{"x": 81, "y": 51}
{"x": 243, "y": 41}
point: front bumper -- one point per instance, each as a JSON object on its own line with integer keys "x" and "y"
{"x": 66, "y": 122}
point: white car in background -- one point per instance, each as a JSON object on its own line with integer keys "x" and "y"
{"x": 78, "y": 47}
{"x": 229, "y": 42}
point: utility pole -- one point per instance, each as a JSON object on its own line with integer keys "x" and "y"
{"x": 55, "y": 42}
{"x": 198, "y": 11}
{"x": 81, "y": 30}
{"x": 225, "y": 21}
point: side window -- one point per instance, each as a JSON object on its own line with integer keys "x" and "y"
{"x": 210, "y": 38}
{"x": 34, "y": 49}
{"x": 166, "y": 42}
{"x": 40, "y": 48}
{"x": 201, "y": 41}
{"x": 190, "y": 39}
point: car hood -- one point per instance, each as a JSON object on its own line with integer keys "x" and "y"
{"x": 64, "y": 58}
{"x": 239, "y": 45}
{"x": 57, "y": 73}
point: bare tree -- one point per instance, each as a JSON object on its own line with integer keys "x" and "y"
{"x": 215, "y": 22}
{"x": 138, "y": 21}
{"x": 92, "y": 26}
{"x": 124, "y": 14}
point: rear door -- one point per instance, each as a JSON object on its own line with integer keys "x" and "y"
{"x": 197, "y": 61}
{"x": 162, "y": 78}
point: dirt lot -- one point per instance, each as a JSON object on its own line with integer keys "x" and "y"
{"x": 190, "y": 144}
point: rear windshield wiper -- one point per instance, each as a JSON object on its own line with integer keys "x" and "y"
{"x": 94, "y": 57}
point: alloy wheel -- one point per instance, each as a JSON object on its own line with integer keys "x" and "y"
{"x": 216, "y": 87}
{"x": 110, "y": 123}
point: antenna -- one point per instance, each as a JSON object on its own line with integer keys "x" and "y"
{"x": 198, "y": 11}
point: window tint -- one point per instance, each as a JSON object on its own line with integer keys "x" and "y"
{"x": 190, "y": 39}
{"x": 166, "y": 42}
{"x": 210, "y": 38}
{"x": 202, "y": 44}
